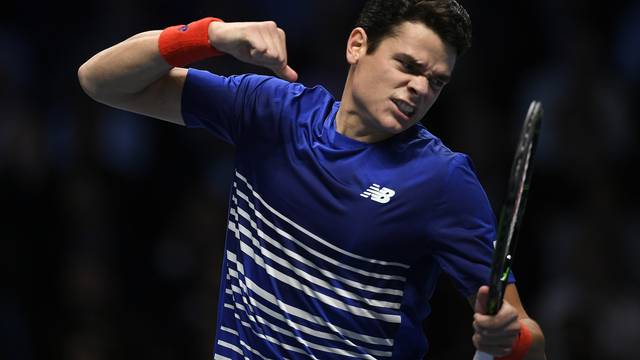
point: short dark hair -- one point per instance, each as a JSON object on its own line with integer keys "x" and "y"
{"x": 447, "y": 18}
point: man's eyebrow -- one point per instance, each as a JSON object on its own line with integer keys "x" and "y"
{"x": 420, "y": 66}
{"x": 410, "y": 59}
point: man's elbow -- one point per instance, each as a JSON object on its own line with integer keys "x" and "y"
{"x": 91, "y": 83}
{"x": 87, "y": 81}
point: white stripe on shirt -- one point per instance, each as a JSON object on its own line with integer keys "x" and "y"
{"x": 250, "y": 251}
{"x": 354, "y": 310}
{"x": 320, "y": 255}
{"x": 378, "y": 290}
{"x": 292, "y": 310}
{"x": 315, "y": 237}
{"x": 294, "y": 325}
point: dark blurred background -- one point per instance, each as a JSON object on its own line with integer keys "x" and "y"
{"x": 112, "y": 224}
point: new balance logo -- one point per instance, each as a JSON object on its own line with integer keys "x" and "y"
{"x": 377, "y": 194}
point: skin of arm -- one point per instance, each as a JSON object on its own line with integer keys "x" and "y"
{"x": 133, "y": 76}
{"x": 495, "y": 334}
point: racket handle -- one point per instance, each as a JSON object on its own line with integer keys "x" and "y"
{"x": 482, "y": 356}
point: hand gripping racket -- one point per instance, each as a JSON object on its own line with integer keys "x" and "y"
{"x": 512, "y": 212}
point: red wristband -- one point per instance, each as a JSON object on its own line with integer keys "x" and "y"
{"x": 181, "y": 45}
{"x": 521, "y": 345}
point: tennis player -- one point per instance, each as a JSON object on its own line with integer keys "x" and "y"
{"x": 342, "y": 213}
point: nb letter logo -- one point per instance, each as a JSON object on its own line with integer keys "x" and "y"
{"x": 378, "y": 194}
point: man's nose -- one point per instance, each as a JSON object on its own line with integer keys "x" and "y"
{"x": 419, "y": 85}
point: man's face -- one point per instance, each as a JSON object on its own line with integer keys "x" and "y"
{"x": 395, "y": 86}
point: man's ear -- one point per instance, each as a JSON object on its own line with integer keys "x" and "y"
{"x": 356, "y": 45}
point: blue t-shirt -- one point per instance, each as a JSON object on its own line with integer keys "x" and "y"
{"x": 333, "y": 246}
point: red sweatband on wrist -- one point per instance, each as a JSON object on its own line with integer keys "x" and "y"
{"x": 521, "y": 345}
{"x": 181, "y": 45}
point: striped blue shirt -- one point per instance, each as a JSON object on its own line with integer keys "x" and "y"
{"x": 333, "y": 246}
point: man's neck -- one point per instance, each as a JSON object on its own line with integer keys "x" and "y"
{"x": 350, "y": 124}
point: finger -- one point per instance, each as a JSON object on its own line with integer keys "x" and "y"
{"x": 276, "y": 36}
{"x": 483, "y": 341}
{"x": 281, "y": 41}
{"x": 489, "y": 348}
{"x": 507, "y": 310}
{"x": 506, "y": 330}
{"x": 287, "y": 73}
{"x": 481, "y": 300}
{"x": 496, "y": 351}
{"x": 506, "y": 333}
{"x": 274, "y": 57}
{"x": 268, "y": 31}
{"x": 500, "y": 322}
{"x": 506, "y": 317}
{"x": 496, "y": 321}
{"x": 258, "y": 47}
{"x": 503, "y": 340}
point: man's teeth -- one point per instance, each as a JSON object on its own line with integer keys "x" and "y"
{"x": 406, "y": 109}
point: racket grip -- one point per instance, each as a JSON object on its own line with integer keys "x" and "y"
{"x": 482, "y": 356}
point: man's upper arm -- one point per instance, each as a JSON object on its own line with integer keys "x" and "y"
{"x": 161, "y": 100}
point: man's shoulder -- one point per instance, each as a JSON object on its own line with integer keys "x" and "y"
{"x": 428, "y": 145}
{"x": 428, "y": 151}
{"x": 259, "y": 82}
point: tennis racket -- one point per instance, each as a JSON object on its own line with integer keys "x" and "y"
{"x": 512, "y": 212}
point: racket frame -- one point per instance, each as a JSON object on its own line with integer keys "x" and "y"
{"x": 513, "y": 207}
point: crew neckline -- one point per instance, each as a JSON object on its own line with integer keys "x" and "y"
{"x": 342, "y": 141}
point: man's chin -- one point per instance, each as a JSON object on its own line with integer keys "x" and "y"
{"x": 392, "y": 131}
{"x": 391, "y": 126}
{"x": 395, "y": 127}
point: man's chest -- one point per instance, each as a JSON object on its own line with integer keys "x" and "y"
{"x": 356, "y": 208}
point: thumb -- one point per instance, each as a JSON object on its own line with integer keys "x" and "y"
{"x": 287, "y": 73}
{"x": 481, "y": 300}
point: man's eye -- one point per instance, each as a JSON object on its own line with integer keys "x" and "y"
{"x": 437, "y": 83}
{"x": 406, "y": 66}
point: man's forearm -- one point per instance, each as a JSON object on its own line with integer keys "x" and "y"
{"x": 124, "y": 69}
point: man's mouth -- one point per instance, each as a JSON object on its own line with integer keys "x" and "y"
{"x": 406, "y": 108}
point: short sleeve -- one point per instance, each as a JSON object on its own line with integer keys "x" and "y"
{"x": 464, "y": 228}
{"x": 230, "y": 107}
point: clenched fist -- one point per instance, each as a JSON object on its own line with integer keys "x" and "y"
{"x": 256, "y": 43}
{"x": 496, "y": 334}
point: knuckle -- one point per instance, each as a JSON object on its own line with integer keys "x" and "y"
{"x": 271, "y": 54}
{"x": 475, "y": 339}
{"x": 257, "y": 51}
